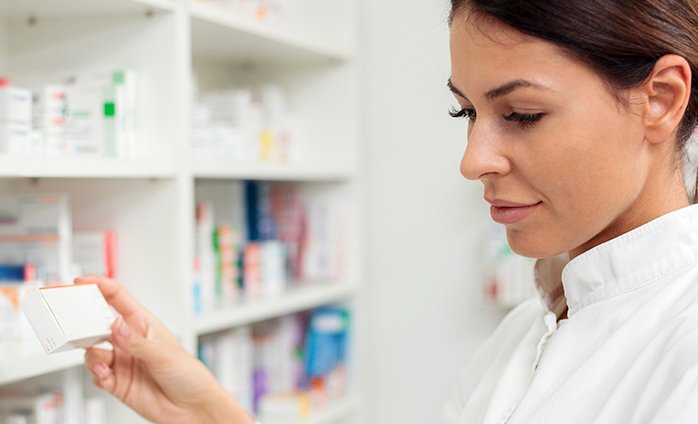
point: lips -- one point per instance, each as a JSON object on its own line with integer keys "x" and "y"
{"x": 507, "y": 212}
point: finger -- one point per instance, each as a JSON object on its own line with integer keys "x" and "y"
{"x": 115, "y": 294}
{"x": 137, "y": 345}
{"x": 106, "y": 383}
{"x": 138, "y": 317}
{"x": 94, "y": 356}
{"x": 100, "y": 372}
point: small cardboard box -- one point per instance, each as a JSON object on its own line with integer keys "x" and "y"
{"x": 68, "y": 317}
{"x": 15, "y": 105}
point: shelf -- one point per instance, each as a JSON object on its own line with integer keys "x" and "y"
{"x": 23, "y": 9}
{"x": 30, "y": 238}
{"x": 294, "y": 300}
{"x": 149, "y": 200}
{"x": 221, "y": 35}
{"x": 25, "y": 360}
{"x": 276, "y": 172}
{"x": 84, "y": 168}
{"x": 335, "y": 412}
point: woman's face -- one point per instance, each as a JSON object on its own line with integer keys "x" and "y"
{"x": 562, "y": 161}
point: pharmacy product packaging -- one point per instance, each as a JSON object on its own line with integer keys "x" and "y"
{"x": 38, "y": 228}
{"x": 15, "y": 138}
{"x": 95, "y": 252}
{"x": 15, "y": 105}
{"x": 14, "y": 327}
{"x": 68, "y": 317}
{"x": 285, "y": 407}
{"x": 100, "y": 118}
{"x": 50, "y": 112}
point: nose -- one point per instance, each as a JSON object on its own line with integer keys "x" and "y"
{"x": 483, "y": 156}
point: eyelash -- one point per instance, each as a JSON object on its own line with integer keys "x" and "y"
{"x": 522, "y": 119}
{"x": 463, "y": 113}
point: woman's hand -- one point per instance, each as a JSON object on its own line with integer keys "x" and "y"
{"x": 150, "y": 371}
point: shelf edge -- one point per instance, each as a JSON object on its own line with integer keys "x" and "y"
{"x": 227, "y": 20}
{"x": 335, "y": 411}
{"x": 260, "y": 310}
{"x": 34, "y": 365}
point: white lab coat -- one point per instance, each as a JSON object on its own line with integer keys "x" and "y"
{"x": 627, "y": 352}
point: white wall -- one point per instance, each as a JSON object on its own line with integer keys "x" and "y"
{"x": 424, "y": 221}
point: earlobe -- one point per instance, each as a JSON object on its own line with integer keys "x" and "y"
{"x": 668, "y": 91}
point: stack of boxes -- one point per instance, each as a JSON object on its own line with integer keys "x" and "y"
{"x": 284, "y": 369}
{"x": 89, "y": 115}
{"x": 284, "y": 236}
{"x": 245, "y": 125}
{"x": 15, "y": 118}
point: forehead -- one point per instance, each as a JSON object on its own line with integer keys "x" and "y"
{"x": 485, "y": 53}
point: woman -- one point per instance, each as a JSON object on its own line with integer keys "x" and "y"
{"x": 578, "y": 115}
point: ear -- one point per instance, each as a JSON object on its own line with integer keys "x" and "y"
{"x": 668, "y": 91}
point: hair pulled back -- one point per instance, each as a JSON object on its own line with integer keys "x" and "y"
{"x": 621, "y": 39}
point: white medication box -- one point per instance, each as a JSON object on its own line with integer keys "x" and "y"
{"x": 68, "y": 317}
{"x": 15, "y": 105}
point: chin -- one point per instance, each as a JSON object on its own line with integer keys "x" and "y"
{"x": 532, "y": 246}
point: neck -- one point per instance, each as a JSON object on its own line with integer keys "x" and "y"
{"x": 656, "y": 199}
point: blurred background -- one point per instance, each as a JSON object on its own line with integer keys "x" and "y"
{"x": 278, "y": 180}
{"x": 425, "y": 224}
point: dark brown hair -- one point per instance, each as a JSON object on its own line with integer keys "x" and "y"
{"x": 620, "y": 39}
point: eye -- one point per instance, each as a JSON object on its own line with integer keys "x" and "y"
{"x": 468, "y": 113}
{"x": 524, "y": 120}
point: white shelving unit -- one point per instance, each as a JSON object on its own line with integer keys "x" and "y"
{"x": 27, "y": 360}
{"x": 290, "y": 172}
{"x": 258, "y": 42}
{"x": 149, "y": 199}
{"x": 66, "y": 8}
{"x": 334, "y": 412}
{"x": 80, "y": 168}
{"x": 293, "y": 301}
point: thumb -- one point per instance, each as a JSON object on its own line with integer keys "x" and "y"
{"x": 135, "y": 344}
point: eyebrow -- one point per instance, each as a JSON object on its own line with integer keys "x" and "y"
{"x": 455, "y": 89}
{"x": 502, "y": 90}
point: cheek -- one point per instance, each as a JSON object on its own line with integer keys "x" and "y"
{"x": 586, "y": 175}
{"x": 599, "y": 159}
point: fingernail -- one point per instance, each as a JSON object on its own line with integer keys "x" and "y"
{"x": 123, "y": 328}
{"x": 106, "y": 384}
{"x": 101, "y": 370}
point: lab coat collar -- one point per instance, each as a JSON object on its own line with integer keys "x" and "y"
{"x": 639, "y": 257}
